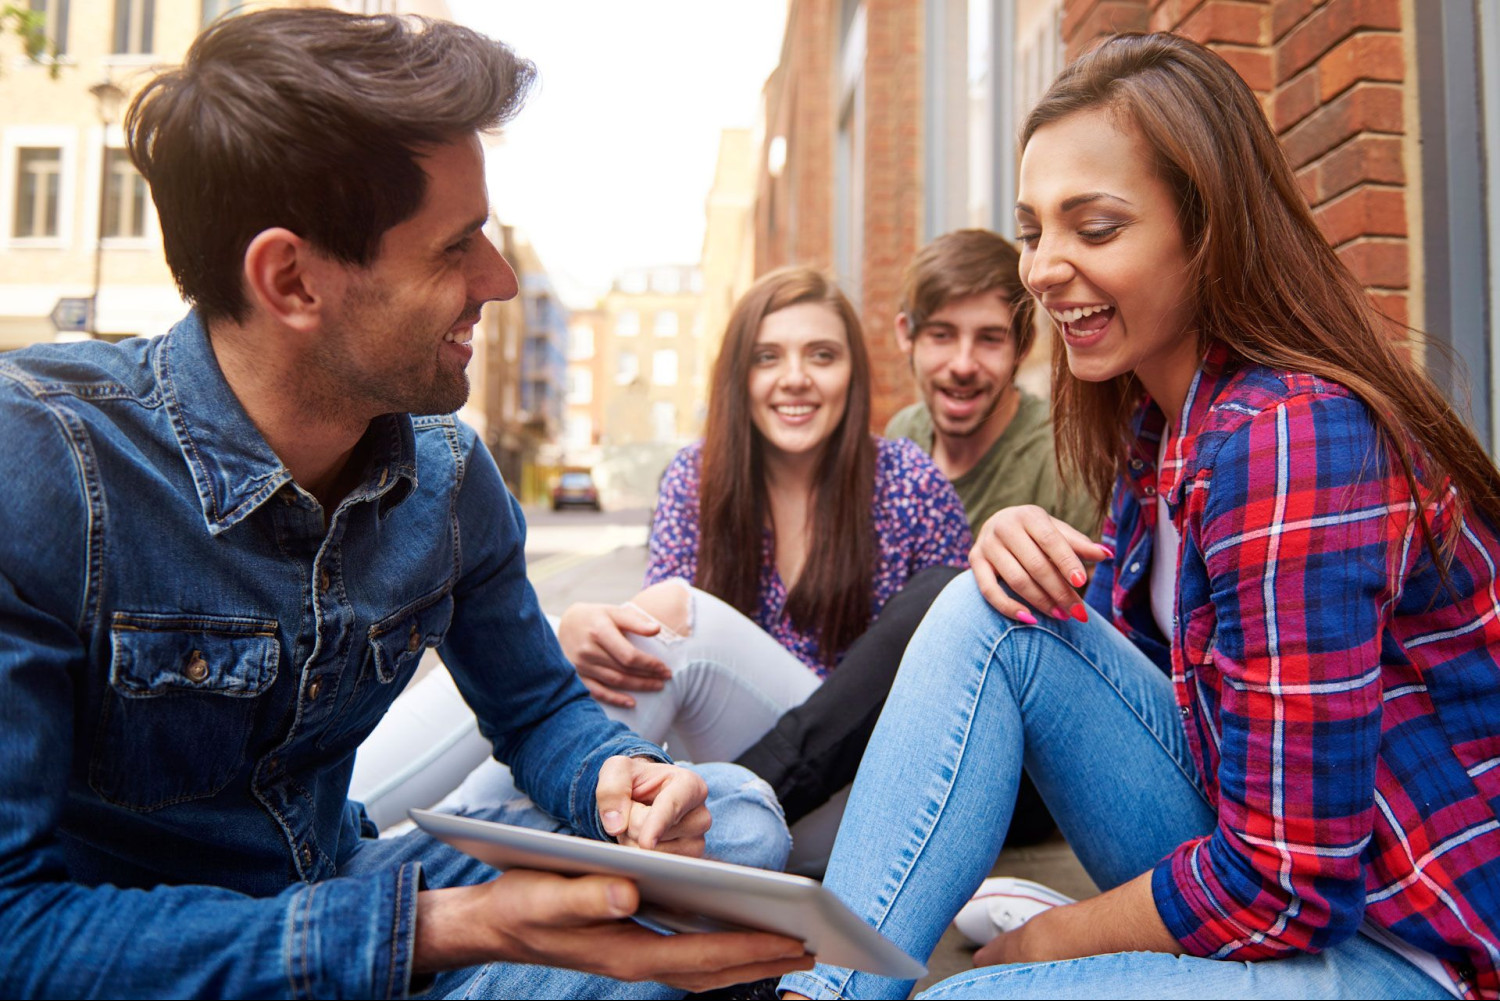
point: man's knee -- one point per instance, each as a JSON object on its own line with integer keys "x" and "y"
{"x": 748, "y": 825}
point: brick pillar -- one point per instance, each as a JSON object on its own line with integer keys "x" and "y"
{"x": 1085, "y": 21}
{"x": 893, "y": 187}
{"x": 1338, "y": 106}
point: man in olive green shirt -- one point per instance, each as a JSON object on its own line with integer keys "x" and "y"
{"x": 966, "y": 325}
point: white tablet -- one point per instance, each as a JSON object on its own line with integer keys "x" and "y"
{"x": 689, "y": 894}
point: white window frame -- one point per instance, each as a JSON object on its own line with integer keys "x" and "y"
{"x": 50, "y": 9}
{"x": 150, "y": 237}
{"x": 665, "y": 323}
{"x": 17, "y": 138}
{"x": 664, "y": 368}
{"x": 136, "y": 45}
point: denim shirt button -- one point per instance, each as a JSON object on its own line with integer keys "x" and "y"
{"x": 306, "y": 853}
{"x": 197, "y": 668}
{"x": 1186, "y": 711}
{"x": 1135, "y": 568}
{"x": 314, "y": 687}
{"x": 413, "y": 640}
{"x": 384, "y": 474}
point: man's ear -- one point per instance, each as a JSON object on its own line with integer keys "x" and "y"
{"x": 282, "y": 278}
{"x": 904, "y": 333}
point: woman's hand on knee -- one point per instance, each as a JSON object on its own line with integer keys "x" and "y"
{"x": 1039, "y": 557}
{"x": 594, "y": 638}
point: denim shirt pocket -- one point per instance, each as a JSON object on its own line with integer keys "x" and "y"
{"x": 396, "y": 645}
{"x": 180, "y": 706}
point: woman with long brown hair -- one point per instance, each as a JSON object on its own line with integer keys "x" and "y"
{"x": 1274, "y": 744}
{"x": 777, "y": 542}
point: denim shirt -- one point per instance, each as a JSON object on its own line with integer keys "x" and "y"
{"x": 189, "y": 658}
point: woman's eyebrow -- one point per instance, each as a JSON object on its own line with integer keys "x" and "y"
{"x": 1069, "y": 204}
{"x": 1088, "y": 198}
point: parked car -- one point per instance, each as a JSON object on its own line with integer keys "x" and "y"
{"x": 575, "y": 488}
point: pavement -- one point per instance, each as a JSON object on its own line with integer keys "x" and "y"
{"x": 575, "y": 556}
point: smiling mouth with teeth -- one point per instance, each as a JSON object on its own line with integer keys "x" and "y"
{"x": 1083, "y": 320}
{"x": 794, "y": 409}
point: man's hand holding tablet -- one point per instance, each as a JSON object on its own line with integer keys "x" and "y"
{"x": 577, "y": 922}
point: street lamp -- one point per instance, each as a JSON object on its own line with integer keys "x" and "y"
{"x": 109, "y": 98}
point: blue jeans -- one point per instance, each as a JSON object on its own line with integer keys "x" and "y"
{"x": 1096, "y": 725}
{"x": 747, "y": 829}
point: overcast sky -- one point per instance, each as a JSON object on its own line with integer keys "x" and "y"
{"x": 609, "y": 163}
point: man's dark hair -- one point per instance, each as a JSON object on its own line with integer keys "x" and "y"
{"x": 312, "y": 120}
{"x": 962, "y": 263}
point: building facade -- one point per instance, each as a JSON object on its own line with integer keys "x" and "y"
{"x": 889, "y": 122}
{"x": 76, "y": 220}
{"x": 651, "y": 386}
{"x": 77, "y": 225}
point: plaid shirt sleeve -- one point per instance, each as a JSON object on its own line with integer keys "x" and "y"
{"x": 1296, "y": 528}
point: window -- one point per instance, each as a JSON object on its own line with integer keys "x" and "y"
{"x": 212, "y": 9}
{"x": 627, "y": 367}
{"x": 135, "y": 26}
{"x": 580, "y": 341}
{"x": 665, "y": 323}
{"x": 664, "y": 368}
{"x": 580, "y": 385}
{"x": 849, "y": 155}
{"x": 663, "y": 420}
{"x": 55, "y": 13}
{"x": 666, "y": 280}
{"x": 38, "y": 176}
{"x": 579, "y": 433}
{"x": 633, "y": 282}
{"x": 124, "y": 197}
{"x": 628, "y": 323}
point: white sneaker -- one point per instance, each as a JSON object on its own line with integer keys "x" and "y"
{"x": 1004, "y": 903}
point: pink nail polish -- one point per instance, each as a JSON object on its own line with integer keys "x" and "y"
{"x": 1026, "y": 617}
{"x": 1081, "y": 612}
{"x": 1109, "y": 553}
{"x": 1059, "y": 614}
{"x": 1077, "y": 578}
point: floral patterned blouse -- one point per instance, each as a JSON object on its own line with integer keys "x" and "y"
{"x": 919, "y": 522}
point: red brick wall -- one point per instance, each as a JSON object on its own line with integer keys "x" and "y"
{"x": 893, "y": 187}
{"x": 1340, "y": 73}
{"x": 1331, "y": 76}
{"x": 794, "y": 214}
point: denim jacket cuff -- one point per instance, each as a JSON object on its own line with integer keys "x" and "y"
{"x": 354, "y": 937}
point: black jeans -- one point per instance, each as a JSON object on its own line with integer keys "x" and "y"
{"x": 814, "y": 750}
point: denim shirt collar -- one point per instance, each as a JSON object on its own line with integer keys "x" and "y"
{"x": 234, "y": 470}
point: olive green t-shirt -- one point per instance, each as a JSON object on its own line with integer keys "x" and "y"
{"x": 1019, "y": 467}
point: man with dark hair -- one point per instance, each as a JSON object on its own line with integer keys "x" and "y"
{"x": 966, "y": 325}
{"x": 227, "y": 548}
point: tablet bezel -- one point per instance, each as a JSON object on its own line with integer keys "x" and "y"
{"x": 794, "y": 906}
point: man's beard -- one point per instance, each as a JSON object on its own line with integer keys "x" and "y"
{"x": 346, "y": 385}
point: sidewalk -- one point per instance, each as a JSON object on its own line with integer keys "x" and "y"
{"x": 563, "y": 577}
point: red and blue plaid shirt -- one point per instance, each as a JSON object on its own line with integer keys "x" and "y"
{"x": 1342, "y": 705}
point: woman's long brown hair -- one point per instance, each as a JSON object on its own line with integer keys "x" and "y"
{"x": 832, "y": 596}
{"x": 1267, "y": 283}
